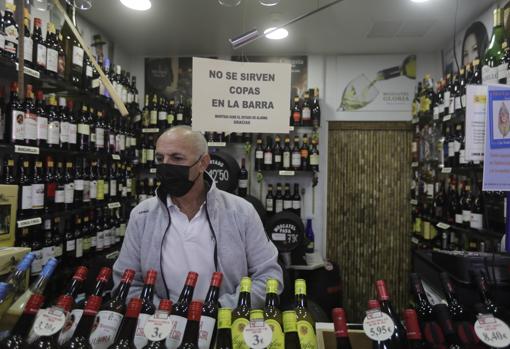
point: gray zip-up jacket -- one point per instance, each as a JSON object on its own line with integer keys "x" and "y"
{"x": 241, "y": 246}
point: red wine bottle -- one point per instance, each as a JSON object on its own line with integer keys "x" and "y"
{"x": 148, "y": 308}
{"x": 16, "y": 340}
{"x": 80, "y": 338}
{"x": 180, "y": 311}
{"x": 488, "y": 302}
{"x": 443, "y": 318}
{"x": 456, "y": 309}
{"x": 190, "y": 339}
{"x": 165, "y": 306}
{"x": 210, "y": 313}
{"x": 111, "y": 314}
{"x": 414, "y": 338}
{"x": 341, "y": 333}
{"x": 399, "y": 336}
{"x": 387, "y": 344}
{"x": 74, "y": 317}
{"x": 126, "y": 334}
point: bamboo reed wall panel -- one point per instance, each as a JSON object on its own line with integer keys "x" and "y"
{"x": 368, "y": 210}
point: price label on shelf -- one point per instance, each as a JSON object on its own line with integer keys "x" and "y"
{"x": 257, "y": 335}
{"x": 217, "y": 144}
{"x": 414, "y": 164}
{"x": 114, "y": 205}
{"x": 29, "y": 71}
{"x": 442, "y": 225}
{"x": 150, "y": 130}
{"x": 49, "y": 321}
{"x": 25, "y": 149}
{"x": 115, "y": 156}
{"x": 287, "y": 173}
{"x": 291, "y": 128}
{"x": 158, "y": 327}
{"x": 414, "y": 202}
{"x": 152, "y": 170}
{"x": 378, "y": 326}
{"x": 415, "y": 241}
{"x": 446, "y": 170}
{"x": 447, "y": 117}
{"x": 29, "y": 222}
{"x": 414, "y": 121}
{"x": 492, "y": 331}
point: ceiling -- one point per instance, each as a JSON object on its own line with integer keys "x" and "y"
{"x": 202, "y": 27}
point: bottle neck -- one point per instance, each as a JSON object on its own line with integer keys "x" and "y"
{"x": 23, "y": 325}
{"x": 74, "y": 288}
{"x": 244, "y": 299}
{"x": 301, "y": 300}
{"x": 127, "y": 330}
{"x": 186, "y": 294}
{"x": 122, "y": 292}
{"x": 271, "y": 300}
{"x": 212, "y": 295}
{"x": 147, "y": 293}
{"x": 191, "y": 333}
{"x": 40, "y": 284}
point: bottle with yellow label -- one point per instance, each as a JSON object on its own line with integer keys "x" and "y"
{"x": 241, "y": 314}
{"x": 224, "y": 336}
{"x": 273, "y": 316}
{"x": 290, "y": 329}
{"x": 305, "y": 321}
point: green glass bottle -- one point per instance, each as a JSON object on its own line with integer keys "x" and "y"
{"x": 241, "y": 314}
{"x": 305, "y": 321}
{"x": 494, "y": 54}
{"x": 273, "y": 315}
{"x": 290, "y": 328}
{"x": 224, "y": 336}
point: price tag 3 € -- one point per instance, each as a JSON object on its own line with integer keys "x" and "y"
{"x": 492, "y": 331}
{"x": 158, "y": 326}
{"x": 49, "y": 321}
{"x": 257, "y": 335}
{"x": 378, "y": 326}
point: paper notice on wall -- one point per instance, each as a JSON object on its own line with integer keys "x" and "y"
{"x": 476, "y": 111}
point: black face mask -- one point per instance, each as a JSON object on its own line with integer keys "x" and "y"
{"x": 175, "y": 178}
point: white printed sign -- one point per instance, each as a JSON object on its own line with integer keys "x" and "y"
{"x": 378, "y": 326}
{"x": 476, "y": 111}
{"x": 492, "y": 331}
{"x": 241, "y": 97}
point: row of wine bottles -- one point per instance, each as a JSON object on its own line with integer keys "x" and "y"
{"x": 306, "y": 112}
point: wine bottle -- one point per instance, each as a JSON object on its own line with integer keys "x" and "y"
{"x": 127, "y": 330}
{"x": 414, "y": 338}
{"x": 488, "y": 302}
{"x": 243, "y": 180}
{"x": 296, "y": 155}
{"x": 39, "y": 48}
{"x": 180, "y": 311}
{"x": 80, "y": 338}
{"x": 190, "y": 338}
{"x": 51, "y": 50}
{"x": 456, "y": 309}
{"x": 290, "y": 329}
{"x": 287, "y": 198}
{"x": 399, "y": 336}
{"x": 305, "y": 154}
{"x": 444, "y": 320}
{"x": 148, "y": 308}
{"x": 278, "y": 199}
{"x": 316, "y": 109}
{"x": 273, "y": 315}
{"x": 296, "y": 113}
{"x": 15, "y": 117}
{"x": 10, "y": 49}
{"x": 165, "y": 306}
{"x": 111, "y": 313}
{"x": 30, "y": 117}
{"x": 422, "y": 304}
{"x": 270, "y": 200}
{"x": 210, "y": 313}
{"x": 259, "y": 155}
{"x": 296, "y": 201}
{"x": 16, "y": 339}
{"x": 387, "y": 344}
{"x": 494, "y": 53}
{"x": 268, "y": 154}
{"x": 15, "y": 282}
{"x": 224, "y": 334}
{"x": 286, "y": 154}
{"x": 341, "y": 332}
{"x": 310, "y": 236}
{"x": 241, "y": 314}
{"x": 53, "y": 140}
{"x": 305, "y": 321}
{"x": 76, "y": 314}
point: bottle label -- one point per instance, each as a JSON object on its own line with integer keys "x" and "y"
{"x": 462, "y": 157}
{"x": 28, "y": 48}
{"x": 458, "y": 218}
{"x": 489, "y": 75}
{"x": 88, "y": 71}
{"x": 278, "y": 340}
{"x": 207, "y": 325}
{"x": 93, "y": 241}
{"x": 86, "y": 191}
{"x": 84, "y": 129}
{"x": 259, "y": 154}
{"x": 113, "y": 187}
{"x": 37, "y": 196}
{"x": 49, "y": 321}
{"x": 296, "y": 159}
{"x": 296, "y": 204}
{"x": 108, "y": 323}
{"x": 466, "y": 215}
{"x": 59, "y": 196}
{"x": 458, "y": 104}
{"x": 170, "y": 119}
{"x": 502, "y": 70}
{"x": 476, "y": 221}
{"x": 435, "y": 112}
{"x": 100, "y": 189}
{"x": 286, "y": 160}
{"x": 150, "y": 154}
{"x": 277, "y": 159}
{"x": 70, "y": 245}
{"x": 100, "y": 240}
{"x": 18, "y": 127}
{"x": 269, "y": 205}
{"x": 174, "y": 339}
{"x": 153, "y": 117}
{"x": 93, "y": 189}
{"x": 53, "y": 132}
{"x": 41, "y": 55}
{"x": 456, "y": 146}
{"x": 30, "y": 124}
{"x": 180, "y": 116}
{"x": 52, "y": 60}
{"x": 238, "y": 327}
{"x": 314, "y": 159}
{"x": 287, "y": 204}
{"x": 61, "y": 68}
{"x": 11, "y": 39}
{"x": 278, "y": 206}
{"x": 306, "y": 114}
{"x": 446, "y": 99}
{"x": 463, "y": 100}
{"x": 78, "y": 184}
{"x": 59, "y": 250}
{"x": 243, "y": 183}
{"x": 64, "y": 132}
{"x": 78, "y": 56}
{"x": 451, "y": 149}
{"x": 162, "y": 116}
{"x": 69, "y": 193}
{"x": 37, "y": 264}
{"x": 268, "y": 158}
{"x": 79, "y": 248}
{"x": 72, "y": 133}
{"x": 42, "y": 128}
{"x": 26, "y": 197}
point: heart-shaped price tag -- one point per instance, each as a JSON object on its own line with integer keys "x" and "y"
{"x": 378, "y": 326}
{"x": 157, "y": 327}
{"x": 492, "y": 331}
{"x": 257, "y": 334}
{"x": 49, "y": 321}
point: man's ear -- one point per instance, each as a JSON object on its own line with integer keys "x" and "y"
{"x": 205, "y": 161}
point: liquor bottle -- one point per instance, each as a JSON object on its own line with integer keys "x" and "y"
{"x": 190, "y": 338}
{"x": 153, "y": 112}
{"x": 242, "y": 188}
{"x": 162, "y": 115}
{"x": 70, "y": 241}
{"x": 57, "y": 238}
{"x": 170, "y": 111}
{"x": 83, "y": 130}
{"x": 465, "y": 203}
{"x": 414, "y": 337}
{"x": 210, "y": 313}
{"x": 422, "y": 304}
{"x": 111, "y": 313}
{"x": 64, "y": 124}
{"x": 165, "y": 307}
{"x": 51, "y": 51}
{"x": 37, "y": 287}
{"x": 42, "y": 120}
{"x": 341, "y": 332}
{"x": 287, "y": 198}
{"x": 180, "y": 311}
{"x": 61, "y": 65}
{"x": 494, "y": 54}
{"x": 241, "y": 314}
{"x": 476, "y": 219}
{"x": 277, "y": 154}
{"x": 314, "y": 156}
{"x": 76, "y": 314}
{"x": 53, "y": 123}
{"x": 148, "y": 308}
{"x": 310, "y": 237}
{"x": 287, "y": 154}
{"x": 60, "y": 187}
{"x": 15, "y": 116}
{"x": 455, "y": 308}
{"x": 316, "y": 109}
{"x": 268, "y": 154}
{"x": 179, "y": 115}
{"x": 296, "y": 113}
{"x": 259, "y": 155}
{"x": 15, "y": 281}
{"x": 296, "y": 155}
{"x": 273, "y": 315}
{"x": 16, "y": 339}
{"x": 290, "y": 329}
{"x": 489, "y": 305}
{"x": 305, "y": 321}
{"x": 399, "y": 336}
{"x": 306, "y": 112}
{"x": 296, "y": 200}
{"x": 387, "y": 344}
{"x": 10, "y": 49}
{"x": 224, "y": 334}
{"x": 305, "y": 154}
{"x": 503, "y": 66}
{"x": 150, "y": 151}
{"x": 8, "y": 171}
{"x": 37, "y": 188}
{"x": 85, "y": 325}
{"x": 443, "y": 318}
{"x": 127, "y": 330}
{"x": 278, "y": 199}
{"x": 25, "y": 189}
{"x": 270, "y": 200}
{"x": 30, "y": 117}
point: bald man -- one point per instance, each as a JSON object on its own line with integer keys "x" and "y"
{"x": 191, "y": 225}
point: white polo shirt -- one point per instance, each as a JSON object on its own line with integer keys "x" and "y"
{"x": 188, "y": 246}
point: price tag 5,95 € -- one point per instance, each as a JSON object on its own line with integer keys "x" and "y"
{"x": 378, "y": 326}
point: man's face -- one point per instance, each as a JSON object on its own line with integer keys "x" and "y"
{"x": 176, "y": 149}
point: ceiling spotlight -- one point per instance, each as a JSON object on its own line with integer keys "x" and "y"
{"x": 229, "y": 3}
{"x": 419, "y": 1}
{"x": 269, "y": 2}
{"x": 276, "y": 33}
{"x": 138, "y": 5}
{"x": 79, "y": 4}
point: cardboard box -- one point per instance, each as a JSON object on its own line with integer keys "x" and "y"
{"x": 8, "y": 207}
{"x": 326, "y": 337}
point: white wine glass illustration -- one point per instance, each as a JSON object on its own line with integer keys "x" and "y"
{"x": 358, "y": 93}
